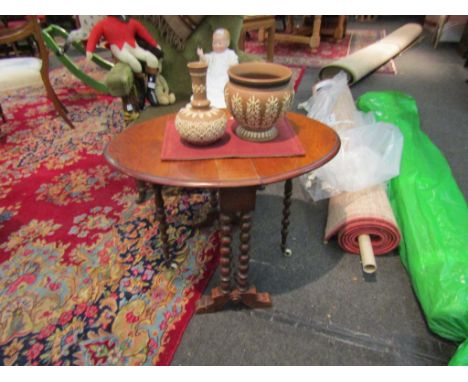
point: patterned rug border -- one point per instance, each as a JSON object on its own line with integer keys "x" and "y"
{"x": 167, "y": 356}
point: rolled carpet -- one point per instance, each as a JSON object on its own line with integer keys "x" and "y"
{"x": 364, "y": 61}
{"x": 363, "y": 220}
{"x": 365, "y": 212}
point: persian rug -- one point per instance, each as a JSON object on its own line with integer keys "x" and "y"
{"x": 328, "y": 51}
{"x": 82, "y": 276}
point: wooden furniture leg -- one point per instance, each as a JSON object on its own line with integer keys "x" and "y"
{"x": 142, "y": 191}
{"x": 222, "y": 293}
{"x": 270, "y": 43}
{"x": 315, "y": 38}
{"x": 45, "y": 75}
{"x": 286, "y": 214}
{"x": 161, "y": 217}
{"x": 289, "y": 24}
{"x": 340, "y": 30}
{"x": 261, "y": 35}
{"x": 53, "y": 97}
{"x": 232, "y": 201}
{"x": 264, "y": 24}
{"x": 241, "y": 43}
{"x": 438, "y": 33}
{"x": 2, "y": 115}
{"x": 295, "y": 35}
{"x": 2, "y": 134}
{"x": 245, "y": 293}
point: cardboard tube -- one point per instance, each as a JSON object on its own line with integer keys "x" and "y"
{"x": 367, "y": 254}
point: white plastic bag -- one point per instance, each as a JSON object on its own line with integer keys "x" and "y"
{"x": 369, "y": 155}
{"x": 370, "y": 151}
{"x": 332, "y": 103}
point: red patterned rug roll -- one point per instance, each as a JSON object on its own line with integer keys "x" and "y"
{"x": 364, "y": 212}
{"x": 368, "y": 212}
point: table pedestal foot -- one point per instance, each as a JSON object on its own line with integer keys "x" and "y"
{"x": 236, "y": 202}
{"x": 252, "y": 298}
{"x": 217, "y": 300}
{"x": 213, "y": 302}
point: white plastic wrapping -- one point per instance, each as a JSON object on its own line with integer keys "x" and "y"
{"x": 370, "y": 151}
{"x": 332, "y": 103}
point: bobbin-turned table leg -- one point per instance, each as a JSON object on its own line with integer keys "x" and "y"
{"x": 222, "y": 293}
{"x": 286, "y": 214}
{"x": 244, "y": 292}
{"x": 235, "y": 200}
{"x": 142, "y": 191}
{"x": 161, "y": 217}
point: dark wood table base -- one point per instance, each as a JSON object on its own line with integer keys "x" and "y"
{"x": 236, "y": 289}
{"x": 242, "y": 292}
{"x": 137, "y": 152}
{"x": 236, "y": 204}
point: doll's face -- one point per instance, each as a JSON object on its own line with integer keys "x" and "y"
{"x": 220, "y": 42}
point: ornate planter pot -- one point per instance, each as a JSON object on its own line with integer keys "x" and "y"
{"x": 257, "y": 95}
{"x": 199, "y": 123}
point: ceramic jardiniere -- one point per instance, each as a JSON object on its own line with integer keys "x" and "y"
{"x": 257, "y": 95}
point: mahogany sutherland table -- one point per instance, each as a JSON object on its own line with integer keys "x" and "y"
{"x": 137, "y": 152}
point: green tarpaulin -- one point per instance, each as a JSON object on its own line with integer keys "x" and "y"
{"x": 433, "y": 216}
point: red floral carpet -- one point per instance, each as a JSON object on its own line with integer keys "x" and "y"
{"x": 328, "y": 51}
{"x": 82, "y": 278}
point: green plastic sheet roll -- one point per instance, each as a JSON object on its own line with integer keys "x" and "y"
{"x": 461, "y": 356}
{"x": 433, "y": 216}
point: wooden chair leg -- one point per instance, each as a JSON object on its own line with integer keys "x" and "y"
{"x": 286, "y": 212}
{"x": 315, "y": 38}
{"x": 57, "y": 104}
{"x": 2, "y": 134}
{"x": 2, "y": 115}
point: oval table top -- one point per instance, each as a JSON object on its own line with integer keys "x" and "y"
{"x": 137, "y": 152}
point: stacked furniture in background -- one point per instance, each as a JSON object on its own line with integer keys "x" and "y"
{"x": 312, "y": 28}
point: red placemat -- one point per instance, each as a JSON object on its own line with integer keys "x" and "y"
{"x": 286, "y": 144}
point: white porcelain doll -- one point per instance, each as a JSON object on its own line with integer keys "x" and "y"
{"x": 219, "y": 61}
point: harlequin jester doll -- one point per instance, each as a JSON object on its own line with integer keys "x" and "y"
{"x": 120, "y": 33}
